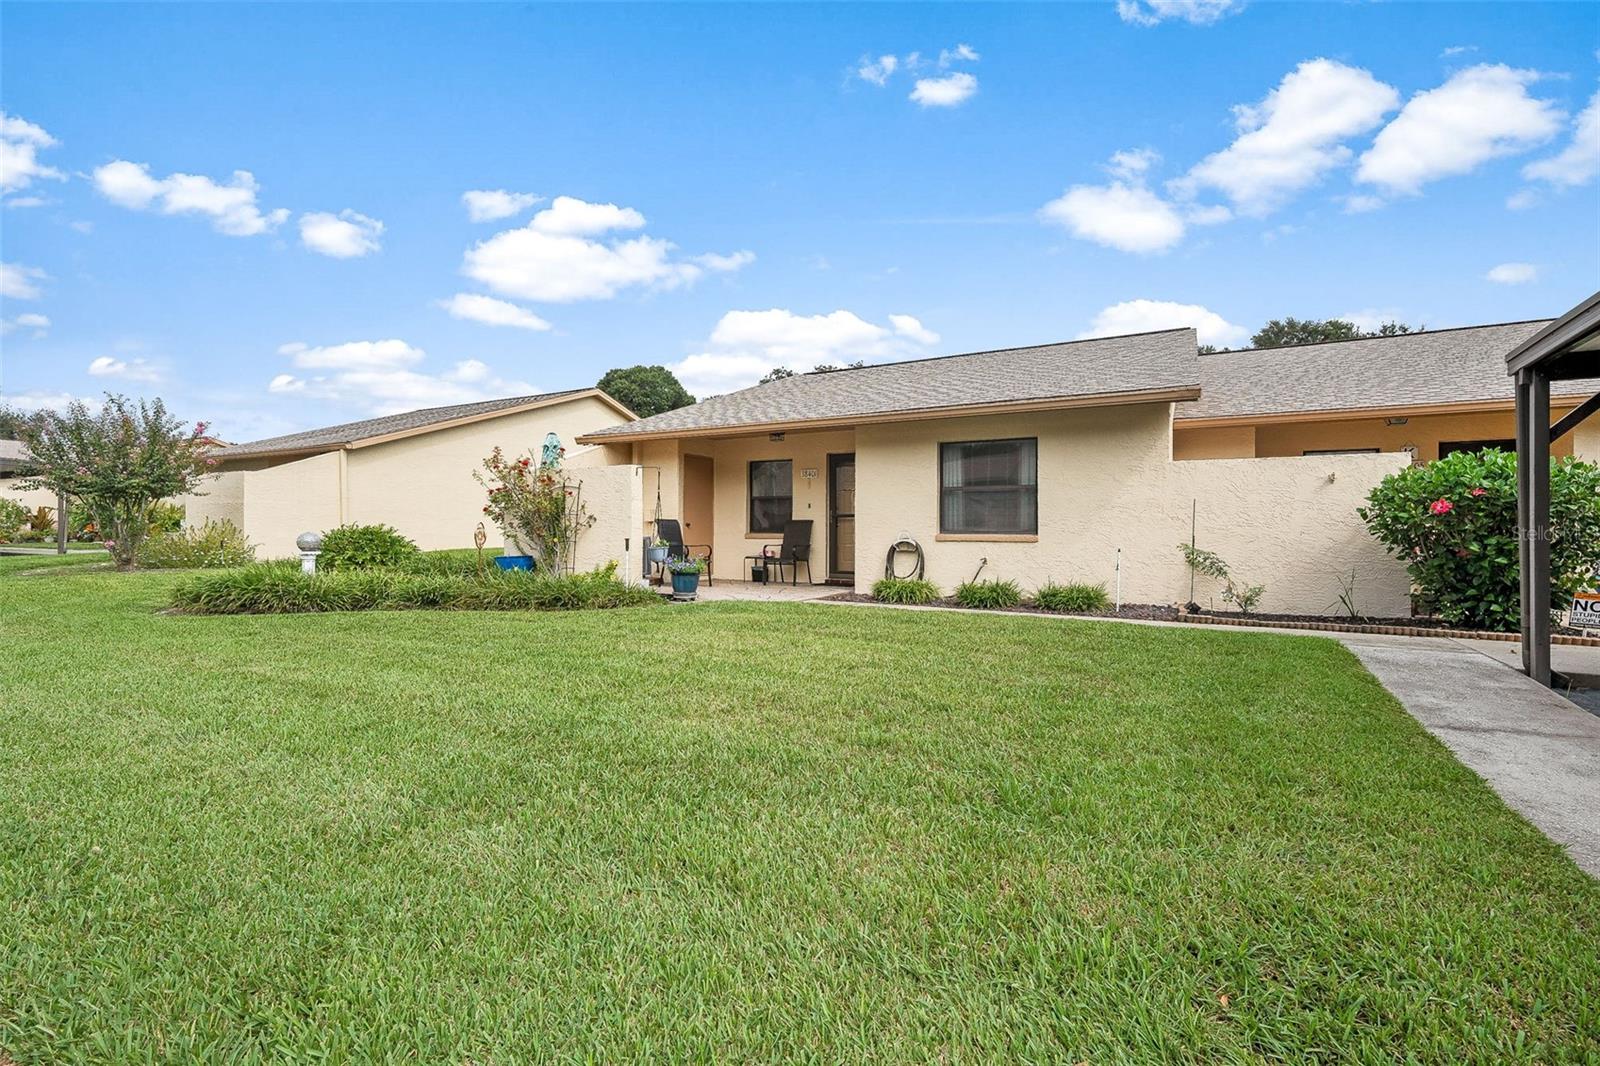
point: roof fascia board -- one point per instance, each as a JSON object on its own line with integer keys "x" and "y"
{"x": 1347, "y": 414}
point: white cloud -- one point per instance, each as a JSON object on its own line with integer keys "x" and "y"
{"x": 1513, "y": 274}
{"x": 726, "y": 264}
{"x": 491, "y": 312}
{"x": 1197, "y": 12}
{"x": 37, "y": 400}
{"x": 746, "y": 344}
{"x": 231, "y": 207}
{"x": 486, "y": 205}
{"x": 1124, "y": 215}
{"x": 572, "y": 217}
{"x": 1457, "y": 50}
{"x": 555, "y": 259}
{"x": 1144, "y": 316}
{"x": 1578, "y": 162}
{"x": 18, "y": 282}
{"x": 131, "y": 370}
{"x": 1132, "y": 163}
{"x": 347, "y": 235}
{"x": 378, "y": 376}
{"x": 1361, "y": 203}
{"x": 1522, "y": 199}
{"x": 910, "y": 327}
{"x": 38, "y": 323}
{"x": 1479, "y": 114}
{"x": 877, "y": 71}
{"x": 1369, "y": 319}
{"x": 961, "y": 53}
{"x": 947, "y": 91}
{"x": 20, "y": 142}
{"x": 1293, "y": 137}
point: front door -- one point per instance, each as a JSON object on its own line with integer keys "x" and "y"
{"x": 698, "y": 499}
{"x": 842, "y": 516}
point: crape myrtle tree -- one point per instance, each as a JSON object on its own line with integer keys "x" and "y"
{"x": 117, "y": 462}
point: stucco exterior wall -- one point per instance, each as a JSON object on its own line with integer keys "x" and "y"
{"x": 1423, "y": 432}
{"x": 1585, "y": 439}
{"x": 423, "y": 485}
{"x": 32, "y": 499}
{"x": 220, "y": 498}
{"x": 281, "y": 502}
{"x": 1213, "y": 442}
{"x": 1105, "y": 482}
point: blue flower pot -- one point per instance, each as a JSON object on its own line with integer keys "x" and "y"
{"x": 514, "y": 562}
{"x": 685, "y": 586}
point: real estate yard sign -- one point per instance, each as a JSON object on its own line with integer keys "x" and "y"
{"x": 1585, "y": 613}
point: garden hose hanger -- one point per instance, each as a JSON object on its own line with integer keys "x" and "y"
{"x": 904, "y": 546}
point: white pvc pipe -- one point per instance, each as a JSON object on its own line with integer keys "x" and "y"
{"x": 1119, "y": 580}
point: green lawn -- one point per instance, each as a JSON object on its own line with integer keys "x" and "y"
{"x": 747, "y": 832}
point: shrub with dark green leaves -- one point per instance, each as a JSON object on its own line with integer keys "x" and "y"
{"x": 281, "y": 588}
{"x": 213, "y": 544}
{"x": 1078, "y": 598}
{"x": 163, "y": 517}
{"x": 990, "y": 595}
{"x": 904, "y": 590}
{"x": 1453, "y": 522}
{"x": 365, "y": 548}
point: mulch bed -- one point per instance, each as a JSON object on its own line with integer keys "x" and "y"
{"x": 1157, "y": 612}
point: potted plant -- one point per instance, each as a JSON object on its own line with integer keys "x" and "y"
{"x": 656, "y": 551}
{"x": 685, "y": 577}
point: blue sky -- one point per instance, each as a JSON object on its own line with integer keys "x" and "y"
{"x": 724, "y": 188}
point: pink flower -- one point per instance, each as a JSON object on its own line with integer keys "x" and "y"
{"x": 1441, "y": 506}
{"x": 1480, "y": 492}
{"x": 210, "y": 461}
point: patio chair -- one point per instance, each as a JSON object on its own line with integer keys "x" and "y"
{"x": 794, "y": 552}
{"x": 669, "y": 530}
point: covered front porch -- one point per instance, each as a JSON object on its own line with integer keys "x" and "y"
{"x": 737, "y": 494}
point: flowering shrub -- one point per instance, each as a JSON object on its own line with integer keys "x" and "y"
{"x": 686, "y": 565}
{"x": 1453, "y": 523}
{"x": 117, "y": 462}
{"x": 365, "y": 548}
{"x": 213, "y": 544}
{"x": 532, "y": 505}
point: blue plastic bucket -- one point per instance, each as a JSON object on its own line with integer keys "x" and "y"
{"x": 514, "y": 562}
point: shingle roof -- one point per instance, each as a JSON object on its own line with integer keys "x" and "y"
{"x": 1163, "y": 361}
{"x": 331, "y": 438}
{"x": 13, "y": 455}
{"x": 1462, "y": 365}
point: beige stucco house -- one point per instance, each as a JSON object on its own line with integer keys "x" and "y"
{"x": 1086, "y": 460}
{"x": 412, "y": 471}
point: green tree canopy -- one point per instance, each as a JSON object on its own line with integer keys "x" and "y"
{"x": 645, "y": 390}
{"x": 1283, "y": 331}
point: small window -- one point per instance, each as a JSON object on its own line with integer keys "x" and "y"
{"x": 1450, "y": 447}
{"x": 771, "y": 495}
{"x": 989, "y": 486}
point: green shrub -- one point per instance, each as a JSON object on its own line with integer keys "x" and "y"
{"x": 213, "y": 544}
{"x": 904, "y": 590}
{"x": 365, "y": 548}
{"x": 281, "y": 588}
{"x": 162, "y": 517}
{"x": 459, "y": 562}
{"x": 1453, "y": 522}
{"x": 13, "y": 516}
{"x": 1078, "y": 598}
{"x": 988, "y": 594}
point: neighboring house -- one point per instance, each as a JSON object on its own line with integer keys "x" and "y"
{"x": 1427, "y": 394}
{"x": 1071, "y": 461}
{"x": 13, "y": 461}
{"x": 412, "y": 471}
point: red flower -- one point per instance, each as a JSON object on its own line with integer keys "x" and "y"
{"x": 1441, "y": 506}
{"x": 1480, "y": 492}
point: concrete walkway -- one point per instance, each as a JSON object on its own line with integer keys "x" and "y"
{"x": 1540, "y": 752}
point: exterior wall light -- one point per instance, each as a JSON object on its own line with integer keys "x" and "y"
{"x": 310, "y": 545}
{"x": 1395, "y": 421}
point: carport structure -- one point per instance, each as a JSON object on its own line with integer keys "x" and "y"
{"x": 1568, "y": 349}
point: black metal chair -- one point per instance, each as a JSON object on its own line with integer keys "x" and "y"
{"x": 794, "y": 552}
{"x": 669, "y": 530}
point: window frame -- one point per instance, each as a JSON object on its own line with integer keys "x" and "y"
{"x": 1030, "y": 531}
{"x": 751, "y": 497}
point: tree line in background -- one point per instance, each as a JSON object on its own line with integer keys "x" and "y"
{"x": 1282, "y": 332}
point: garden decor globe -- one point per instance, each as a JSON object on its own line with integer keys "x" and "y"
{"x": 309, "y": 542}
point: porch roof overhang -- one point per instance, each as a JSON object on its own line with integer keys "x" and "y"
{"x": 1566, "y": 350}
{"x": 1350, "y": 414}
{"x": 923, "y": 414}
